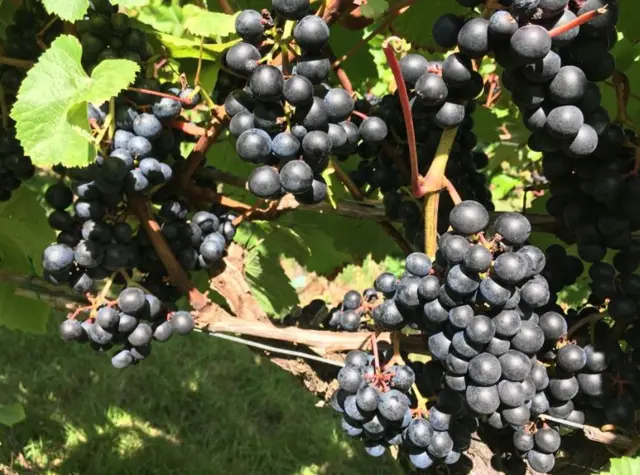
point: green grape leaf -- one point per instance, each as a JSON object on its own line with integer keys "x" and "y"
{"x": 24, "y": 232}
{"x": 624, "y": 466}
{"x": 164, "y": 18}
{"x": 201, "y": 22}
{"x": 269, "y": 283}
{"x": 51, "y": 110}
{"x": 374, "y": 8}
{"x": 11, "y": 414}
{"x": 627, "y": 20}
{"x": 69, "y": 10}
{"x": 416, "y": 23}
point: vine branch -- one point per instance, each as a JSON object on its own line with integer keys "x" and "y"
{"x": 16, "y": 63}
{"x": 386, "y": 225}
{"x": 140, "y": 206}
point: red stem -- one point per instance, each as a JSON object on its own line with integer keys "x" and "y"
{"x": 160, "y": 94}
{"x": 362, "y": 115}
{"x": 408, "y": 119}
{"x": 581, "y": 20}
{"x": 453, "y": 193}
{"x": 177, "y": 275}
{"x": 226, "y": 7}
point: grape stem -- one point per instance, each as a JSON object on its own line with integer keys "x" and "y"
{"x": 431, "y": 202}
{"x": 374, "y": 348}
{"x": 581, "y": 20}
{"x": 226, "y": 7}
{"x": 16, "y": 63}
{"x": 362, "y": 115}
{"x": 140, "y": 206}
{"x": 40, "y": 35}
{"x": 102, "y": 296}
{"x": 396, "y": 359}
{"x": 416, "y": 179}
{"x": 435, "y": 179}
{"x": 386, "y": 225}
{"x": 421, "y": 405}
{"x": 341, "y": 74}
{"x": 190, "y": 128}
{"x": 158, "y": 94}
{"x": 586, "y": 320}
{"x": 453, "y": 193}
{"x": 622, "y": 88}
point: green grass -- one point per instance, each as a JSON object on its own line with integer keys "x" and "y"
{"x": 198, "y": 406}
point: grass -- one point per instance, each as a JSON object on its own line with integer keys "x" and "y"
{"x": 197, "y": 406}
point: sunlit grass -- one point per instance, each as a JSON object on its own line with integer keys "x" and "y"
{"x": 197, "y": 406}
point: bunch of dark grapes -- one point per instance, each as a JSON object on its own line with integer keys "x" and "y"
{"x": 95, "y": 238}
{"x": 375, "y": 402}
{"x": 134, "y": 321}
{"x": 553, "y": 79}
{"x": 288, "y": 125}
{"x": 15, "y": 167}
{"x": 607, "y": 380}
{"x": 107, "y": 34}
{"x": 490, "y": 320}
{"x": 438, "y": 102}
{"x": 21, "y": 42}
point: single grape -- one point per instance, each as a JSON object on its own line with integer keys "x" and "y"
{"x": 311, "y": 33}
{"x": 250, "y": 25}
{"x": 264, "y": 182}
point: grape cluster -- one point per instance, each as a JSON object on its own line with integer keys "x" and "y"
{"x": 490, "y": 320}
{"x": 375, "y": 403}
{"x": 134, "y": 320}
{"x": 288, "y": 125}
{"x": 606, "y": 380}
{"x": 107, "y": 34}
{"x": 553, "y": 77}
{"x": 20, "y": 43}
{"x": 95, "y": 241}
{"x": 379, "y": 169}
{"x": 15, "y": 167}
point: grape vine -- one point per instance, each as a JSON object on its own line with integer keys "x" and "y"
{"x": 161, "y": 158}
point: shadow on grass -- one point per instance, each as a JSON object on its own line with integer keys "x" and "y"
{"x": 197, "y": 406}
